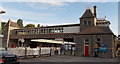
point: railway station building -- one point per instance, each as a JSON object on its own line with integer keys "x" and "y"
{"x": 91, "y": 37}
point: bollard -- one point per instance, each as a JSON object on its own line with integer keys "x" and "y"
{"x": 25, "y": 52}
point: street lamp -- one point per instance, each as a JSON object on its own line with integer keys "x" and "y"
{"x": 1, "y": 12}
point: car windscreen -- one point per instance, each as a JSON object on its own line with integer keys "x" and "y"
{"x": 5, "y": 52}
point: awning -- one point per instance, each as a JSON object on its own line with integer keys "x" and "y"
{"x": 51, "y": 41}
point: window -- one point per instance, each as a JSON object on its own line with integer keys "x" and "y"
{"x": 89, "y": 22}
{"x": 86, "y": 41}
{"x": 98, "y": 39}
{"x": 16, "y": 32}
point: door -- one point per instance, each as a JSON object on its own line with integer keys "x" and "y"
{"x": 86, "y": 53}
{"x": 86, "y": 47}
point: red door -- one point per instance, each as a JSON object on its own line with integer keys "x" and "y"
{"x": 86, "y": 53}
{"x": 12, "y": 45}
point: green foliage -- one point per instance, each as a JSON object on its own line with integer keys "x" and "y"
{"x": 38, "y": 25}
{"x": 30, "y": 26}
{"x": 20, "y": 23}
{"x": 42, "y": 26}
{"x": 2, "y": 26}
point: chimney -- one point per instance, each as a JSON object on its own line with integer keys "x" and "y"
{"x": 95, "y": 11}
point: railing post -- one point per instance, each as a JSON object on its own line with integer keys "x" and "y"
{"x": 25, "y": 52}
{"x": 6, "y": 48}
{"x": 39, "y": 50}
{"x": 50, "y": 51}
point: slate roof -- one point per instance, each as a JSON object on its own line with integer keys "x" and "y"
{"x": 12, "y": 23}
{"x": 67, "y": 25}
{"x": 88, "y": 14}
{"x": 97, "y": 30}
{"x": 102, "y": 22}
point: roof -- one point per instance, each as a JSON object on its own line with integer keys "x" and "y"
{"x": 88, "y": 14}
{"x": 13, "y": 24}
{"x": 102, "y": 22}
{"x": 51, "y": 41}
{"x": 97, "y": 30}
{"x": 68, "y": 25}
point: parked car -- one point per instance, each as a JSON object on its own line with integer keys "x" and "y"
{"x": 6, "y": 57}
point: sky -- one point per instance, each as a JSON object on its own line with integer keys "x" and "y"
{"x": 58, "y": 13}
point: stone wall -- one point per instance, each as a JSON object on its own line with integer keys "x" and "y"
{"x": 105, "y": 40}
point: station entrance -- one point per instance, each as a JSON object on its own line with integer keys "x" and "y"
{"x": 66, "y": 46}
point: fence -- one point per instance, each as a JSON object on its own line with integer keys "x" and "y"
{"x": 26, "y": 51}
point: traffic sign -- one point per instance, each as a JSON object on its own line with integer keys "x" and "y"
{"x": 103, "y": 48}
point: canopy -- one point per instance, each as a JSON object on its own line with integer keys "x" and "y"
{"x": 51, "y": 41}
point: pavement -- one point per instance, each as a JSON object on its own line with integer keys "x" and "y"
{"x": 66, "y": 58}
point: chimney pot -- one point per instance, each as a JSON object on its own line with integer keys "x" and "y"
{"x": 95, "y": 11}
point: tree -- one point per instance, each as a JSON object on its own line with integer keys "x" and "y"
{"x": 38, "y": 25}
{"x": 30, "y": 26}
{"x": 3, "y": 24}
{"x": 42, "y": 26}
{"x": 20, "y": 23}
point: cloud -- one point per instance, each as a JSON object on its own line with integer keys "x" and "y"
{"x": 55, "y": 3}
{"x": 47, "y": 5}
{"x": 27, "y": 15}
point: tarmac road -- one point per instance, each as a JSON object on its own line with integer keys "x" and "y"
{"x": 68, "y": 59}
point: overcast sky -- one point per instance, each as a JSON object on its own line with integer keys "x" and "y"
{"x": 56, "y": 13}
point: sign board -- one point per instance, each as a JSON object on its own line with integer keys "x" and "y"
{"x": 103, "y": 48}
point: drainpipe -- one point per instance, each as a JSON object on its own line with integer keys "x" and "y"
{"x": 8, "y": 36}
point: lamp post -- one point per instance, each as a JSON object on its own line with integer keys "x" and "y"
{"x": 1, "y": 36}
{"x": 1, "y": 12}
